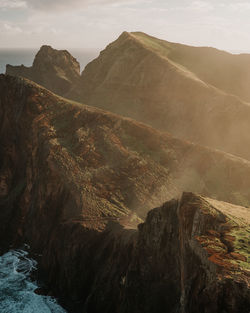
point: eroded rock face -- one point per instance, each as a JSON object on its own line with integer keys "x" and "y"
{"x": 213, "y": 241}
{"x": 76, "y": 181}
{"x": 54, "y": 69}
{"x": 179, "y": 260}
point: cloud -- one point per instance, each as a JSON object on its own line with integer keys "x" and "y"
{"x": 10, "y": 29}
{"x": 55, "y": 4}
{"x": 46, "y": 5}
{"x": 95, "y": 23}
{"x": 198, "y": 6}
{"x": 240, "y": 6}
{"x": 12, "y": 4}
{"x": 202, "y": 6}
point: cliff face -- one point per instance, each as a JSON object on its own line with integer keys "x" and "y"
{"x": 54, "y": 69}
{"x": 214, "y": 236}
{"x": 169, "y": 87}
{"x": 75, "y": 182}
{"x": 190, "y": 255}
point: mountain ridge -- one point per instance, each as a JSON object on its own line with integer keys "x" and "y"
{"x": 134, "y": 81}
{"x": 152, "y": 81}
{"x": 76, "y": 183}
{"x": 210, "y": 52}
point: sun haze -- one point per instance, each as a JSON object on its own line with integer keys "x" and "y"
{"x": 93, "y": 24}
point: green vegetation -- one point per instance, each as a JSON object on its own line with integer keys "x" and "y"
{"x": 168, "y": 50}
{"x": 242, "y": 244}
{"x": 159, "y": 46}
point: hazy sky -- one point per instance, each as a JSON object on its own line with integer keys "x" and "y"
{"x": 92, "y": 24}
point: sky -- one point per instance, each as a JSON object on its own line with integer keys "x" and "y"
{"x": 92, "y": 24}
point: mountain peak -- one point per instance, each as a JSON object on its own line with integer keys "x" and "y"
{"x": 46, "y": 47}
{"x": 61, "y": 58}
{"x": 57, "y": 70}
{"x": 167, "y": 85}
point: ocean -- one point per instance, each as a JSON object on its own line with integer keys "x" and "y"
{"x": 26, "y": 57}
{"x": 17, "y": 289}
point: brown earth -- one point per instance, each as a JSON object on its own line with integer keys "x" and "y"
{"x": 75, "y": 181}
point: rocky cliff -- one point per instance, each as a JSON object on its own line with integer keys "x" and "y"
{"x": 187, "y": 91}
{"x": 75, "y": 182}
{"x": 54, "y": 69}
{"x": 190, "y": 255}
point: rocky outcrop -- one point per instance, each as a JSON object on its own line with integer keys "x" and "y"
{"x": 54, "y": 69}
{"x": 75, "y": 182}
{"x": 190, "y": 255}
{"x": 184, "y": 90}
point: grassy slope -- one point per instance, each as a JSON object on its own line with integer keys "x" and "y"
{"x": 234, "y": 234}
{"x": 134, "y": 77}
{"x": 221, "y": 69}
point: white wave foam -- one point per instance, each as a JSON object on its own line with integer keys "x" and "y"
{"x": 17, "y": 290}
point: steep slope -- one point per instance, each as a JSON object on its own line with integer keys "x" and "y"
{"x": 120, "y": 164}
{"x": 75, "y": 182}
{"x": 190, "y": 255}
{"x": 54, "y": 69}
{"x": 135, "y": 77}
{"x": 225, "y": 71}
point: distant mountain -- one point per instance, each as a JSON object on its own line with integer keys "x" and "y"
{"x": 225, "y": 71}
{"x": 54, "y": 69}
{"x": 197, "y": 94}
{"x": 173, "y": 87}
{"x": 75, "y": 182}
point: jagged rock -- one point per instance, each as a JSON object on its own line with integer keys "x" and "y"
{"x": 75, "y": 182}
{"x": 177, "y": 261}
{"x": 54, "y": 69}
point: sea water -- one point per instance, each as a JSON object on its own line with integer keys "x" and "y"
{"x": 17, "y": 289}
{"x": 16, "y": 57}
